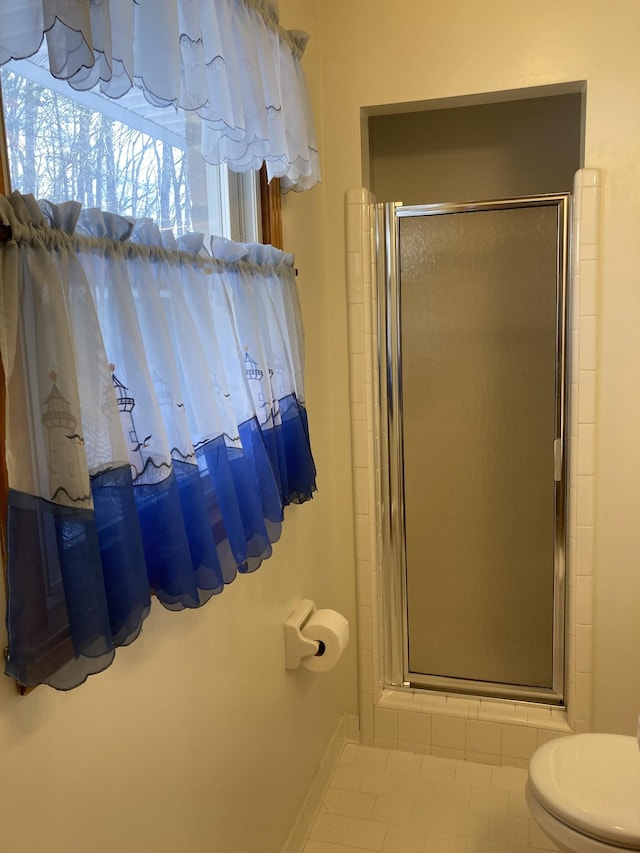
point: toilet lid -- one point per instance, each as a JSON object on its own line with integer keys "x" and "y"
{"x": 591, "y": 782}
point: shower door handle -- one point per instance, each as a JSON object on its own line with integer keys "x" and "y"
{"x": 557, "y": 459}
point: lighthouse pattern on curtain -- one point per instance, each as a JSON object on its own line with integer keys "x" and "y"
{"x": 126, "y": 404}
{"x": 68, "y": 481}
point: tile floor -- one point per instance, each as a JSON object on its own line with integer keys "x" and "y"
{"x": 387, "y": 801}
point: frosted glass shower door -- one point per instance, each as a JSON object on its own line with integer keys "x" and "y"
{"x": 480, "y": 366}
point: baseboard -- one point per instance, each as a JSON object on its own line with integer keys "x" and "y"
{"x": 346, "y": 732}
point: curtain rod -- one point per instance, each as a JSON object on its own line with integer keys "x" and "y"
{"x": 6, "y": 235}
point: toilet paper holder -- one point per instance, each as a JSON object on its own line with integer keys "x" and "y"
{"x": 296, "y": 646}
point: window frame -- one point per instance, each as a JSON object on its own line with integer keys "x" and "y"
{"x": 5, "y": 188}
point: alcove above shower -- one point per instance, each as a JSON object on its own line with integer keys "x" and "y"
{"x": 521, "y": 146}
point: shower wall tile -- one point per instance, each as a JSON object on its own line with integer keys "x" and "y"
{"x": 482, "y": 758}
{"x": 357, "y": 195}
{"x": 366, "y": 721}
{"x": 584, "y": 648}
{"x": 448, "y": 752}
{"x": 584, "y": 600}
{"x": 583, "y": 699}
{"x": 546, "y": 736}
{"x": 571, "y": 662}
{"x": 574, "y": 462}
{"x": 518, "y": 741}
{"x": 360, "y": 490}
{"x": 368, "y": 325}
{"x": 358, "y": 299}
{"x": 574, "y": 350}
{"x": 577, "y": 200}
{"x": 354, "y": 277}
{"x": 356, "y": 372}
{"x": 585, "y": 551}
{"x": 574, "y": 308}
{"x": 587, "y": 397}
{"x": 487, "y": 731}
{"x": 589, "y": 252}
{"x": 375, "y": 644}
{"x": 368, "y": 364}
{"x": 365, "y": 672}
{"x": 589, "y": 220}
{"x": 493, "y": 709}
{"x": 588, "y": 288}
{"x": 415, "y": 748}
{"x": 586, "y": 449}
{"x": 588, "y": 178}
{"x": 578, "y": 450}
{"x": 357, "y": 411}
{"x": 577, "y": 239}
{"x": 364, "y": 582}
{"x": 448, "y": 732}
{"x": 373, "y": 504}
{"x": 371, "y": 444}
{"x": 432, "y": 703}
{"x": 573, "y": 511}
{"x": 385, "y": 723}
{"x": 365, "y": 634}
{"x": 557, "y": 720}
{"x": 580, "y": 633}
{"x": 356, "y": 328}
{"x": 405, "y": 700}
{"x": 585, "y": 499}
{"x": 373, "y": 546}
{"x": 366, "y": 249}
{"x": 462, "y": 707}
{"x": 483, "y": 737}
{"x": 414, "y": 727}
{"x": 537, "y": 715}
{"x": 359, "y": 444}
{"x": 385, "y": 743}
{"x": 587, "y": 342}
{"x": 573, "y": 414}
{"x": 353, "y": 238}
{"x": 571, "y": 614}
{"x": 362, "y": 538}
{"x": 365, "y": 669}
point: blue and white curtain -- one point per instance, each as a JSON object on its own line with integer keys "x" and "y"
{"x": 155, "y": 425}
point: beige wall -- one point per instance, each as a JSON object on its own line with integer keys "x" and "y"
{"x": 375, "y": 52}
{"x": 197, "y": 739}
{"x": 499, "y": 150}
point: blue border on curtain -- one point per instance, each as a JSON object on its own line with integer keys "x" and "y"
{"x": 80, "y": 581}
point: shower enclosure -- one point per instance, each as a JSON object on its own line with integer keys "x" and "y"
{"x": 472, "y": 363}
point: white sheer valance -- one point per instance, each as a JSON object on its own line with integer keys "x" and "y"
{"x": 229, "y": 61}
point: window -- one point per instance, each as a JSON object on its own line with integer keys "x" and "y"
{"x": 126, "y": 157}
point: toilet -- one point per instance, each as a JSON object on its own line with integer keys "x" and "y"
{"x": 583, "y": 791}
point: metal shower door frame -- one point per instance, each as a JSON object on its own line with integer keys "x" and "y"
{"x": 393, "y": 561}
